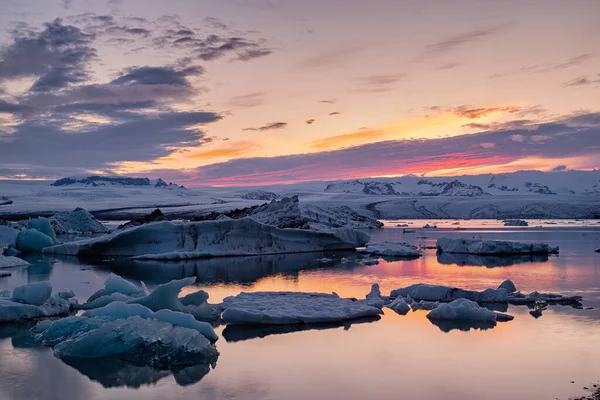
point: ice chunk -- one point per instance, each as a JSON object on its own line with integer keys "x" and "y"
{"x": 11, "y": 311}
{"x": 292, "y": 308}
{"x": 491, "y": 247}
{"x": 76, "y": 221}
{"x": 462, "y": 310}
{"x": 373, "y": 298}
{"x": 10, "y": 262}
{"x": 42, "y": 225}
{"x": 141, "y": 341}
{"x": 32, "y": 293}
{"x": 195, "y": 299}
{"x": 100, "y": 301}
{"x": 423, "y": 291}
{"x": 116, "y": 284}
{"x": 391, "y": 249}
{"x": 32, "y": 241}
{"x": 508, "y": 285}
{"x": 8, "y": 235}
{"x": 399, "y": 305}
{"x": 515, "y": 222}
{"x": 168, "y": 240}
{"x": 119, "y": 310}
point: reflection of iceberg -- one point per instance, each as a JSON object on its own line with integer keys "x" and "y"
{"x": 236, "y": 333}
{"x": 465, "y": 326}
{"x": 489, "y": 261}
{"x": 112, "y": 372}
{"x": 222, "y": 269}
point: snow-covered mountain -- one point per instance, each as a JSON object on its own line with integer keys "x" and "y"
{"x": 517, "y": 183}
{"x": 97, "y": 180}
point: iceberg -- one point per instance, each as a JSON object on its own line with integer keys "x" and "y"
{"x": 21, "y": 305}
{"x": 508, "y": 285}
{"x": 42, "y": 225}
{"x": 33, "y": 241}
{"x": 11, "y": 262}
{"x": 163, "y": 297}
{"x": 170, "y": 241}
{"x": 137, "y": 340}
{"x": 275, "y": 308}
{"x": 391, "y": 249}
{"x": 399, "y": 305}
{"x": 423, "y": 291}
{"x": 491, "y": 247}
{"x": 78, "y": 221}
{"x": 32, "y": 293}
{"x": 466, "y": 310}
{"x": 515, "y": 222}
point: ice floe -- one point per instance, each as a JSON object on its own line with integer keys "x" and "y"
{"x": 33, "y": 241}
{"x": 423, "y": 291}
{"x": 466, "y": 310}
{"x": 491, "y": 247}
{"x": 275, "y": 308}
{"x": 34, "y": 300}
{"x": 11, "y": 262}
{"x": 168, "y": 240}
{"x": 391, "y": 249}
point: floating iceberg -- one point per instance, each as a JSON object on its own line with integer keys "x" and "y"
{"x": 423, "y": 291}
{"x": 466, "y": 310}
{"x": 141, "y": 341}
{"x": 76, "y": 221}
{"x": 399, "y": 305}
{"x": 515, "y": 222}
{"x": 549, "y": 298}
{"x": 34, "y": 300}
{"x": 391, "y": 249}
{"x": 33, "y": 241}
{"x": 491, "y": 247}
{"x": 10, "y": 262}
{"x": 274, "y": 308}
{"x": 508, "y": 285}
{"x": 42, "y": 225}
{"x": 168, "y": 240}
{"x": 163, "y": 297}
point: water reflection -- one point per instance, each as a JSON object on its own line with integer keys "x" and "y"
{"x": 465, "y": 326}
{"x": 236, "y": 333}
{"x": 113, "y": 373}
{"x": 488, "y": 261}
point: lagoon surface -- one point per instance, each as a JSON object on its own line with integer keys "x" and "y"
{"x": 394, "y": 357}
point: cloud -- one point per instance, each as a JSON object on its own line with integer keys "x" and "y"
{"x": 215, "y": 23}
{"x": 310, "y": 121}
{"x": 157, "y": 76}
{"x": 335, "y": 113}
{"x": 268, "y": 127}
{"x": 215, "y": 47}
{"x": 544, "y": 68}
{"x": 46, "y": 144}
{"x": 330, "y": 101}
{"x": 559, "y": 168}
{"x": 583, "y": 81}
{"x": 247, "y": 100}
{"x": 331, "y": 57}
{"x": 379, "y": 83}
{"x": 457, "y": 41}
{"x": 57, "y": 56}
{"x": 517, "y": 138}
{"x": 406, "y": 156}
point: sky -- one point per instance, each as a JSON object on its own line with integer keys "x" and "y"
{"x": 238, "y": 92}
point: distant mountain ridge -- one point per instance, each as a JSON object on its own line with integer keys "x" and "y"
{"x": 97, "y": 180}
{"x": 516, "y": 183}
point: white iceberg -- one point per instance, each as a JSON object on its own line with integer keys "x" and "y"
{"x": 491, "y": 247}
{"x": 465, "y": 310}
{"x": 423, "y": 291}
{"x": 60, "y": 303}
{"x": 32, "y": 293}
{"x": 168, "y": 240}
{"x": 274, "y": 308}
{"x": 391, "y": 249}
{"x": 11, "y": 262}
{"x": 77, "y": 221}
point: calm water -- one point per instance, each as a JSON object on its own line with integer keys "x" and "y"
{"x": 394, "y": 357}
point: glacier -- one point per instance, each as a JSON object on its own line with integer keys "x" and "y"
{"x": 169, "y": 240}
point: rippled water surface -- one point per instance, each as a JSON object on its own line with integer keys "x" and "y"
{"x": 394, "y": 357}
